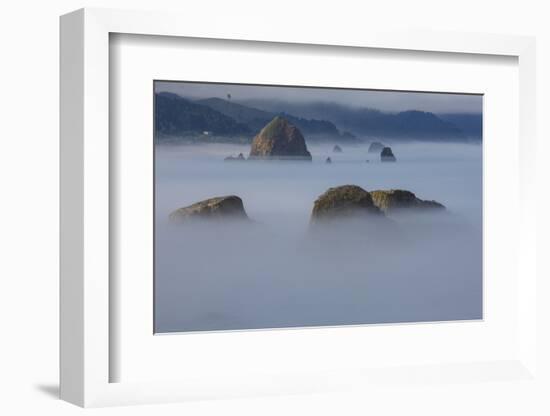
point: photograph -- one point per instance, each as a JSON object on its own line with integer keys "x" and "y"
{"x": 292, "y": 206}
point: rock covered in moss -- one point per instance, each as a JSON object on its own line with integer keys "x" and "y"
{"x": 218, "y": 208}
{"x": 347, "y": 201}
{"x": 398, "y": 199}
{"x": 279, "y": 139}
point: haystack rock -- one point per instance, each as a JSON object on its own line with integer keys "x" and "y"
{"x": 387, "y": 155}
{"x": 336, "y": 149}
{"x": 347, "y": 201}
{"x": 217, "y": 208}
{"x": 279, "y": 139}
{"x": 393, "y": 200}
{"x": 376, "y": 147}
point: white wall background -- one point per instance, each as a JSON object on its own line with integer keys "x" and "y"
{"x": 29, "y": 205}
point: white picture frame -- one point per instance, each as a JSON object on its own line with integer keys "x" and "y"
{"x": 85, "y": 203}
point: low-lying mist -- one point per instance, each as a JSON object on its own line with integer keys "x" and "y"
{"x": 278, "y": 270}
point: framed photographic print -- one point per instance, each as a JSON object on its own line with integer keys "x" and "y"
{"x": 280, "y": 207}
{"x": 280, "y": 214}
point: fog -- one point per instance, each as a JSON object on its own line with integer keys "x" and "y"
{"x": 280, "y": 271}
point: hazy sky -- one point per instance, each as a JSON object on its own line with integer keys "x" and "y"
{"x": 382, "y": 100}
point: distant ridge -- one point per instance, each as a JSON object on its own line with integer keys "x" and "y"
{"x": 256, "y": 119}
{"x": 470, "y": 123}
{"x": 176, "y": 116}
{"x": 223, "y": 120}
{"x": 368, "y": 122}
{"x": 252, "y": 117}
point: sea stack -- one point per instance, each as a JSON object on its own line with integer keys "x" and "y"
{"x": 394, "y": 200}
{"x": 218, "y": 208}
{"x": 344, "y": 202}
{"x": 336, "y": 149}
{"x": 387, "y": 155}
{"x": 279, "y": 139}
{"x": 233, "y": 158}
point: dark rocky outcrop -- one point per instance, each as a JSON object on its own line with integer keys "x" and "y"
{"x": 233, "y": 158}
{"x": 351, "y": 201}
{"x": 336, "y": 149}
{"x": 376, "y": 147}
{"x": 279, "y": 140}
{"x": 387, "y": 155}
{"x": 393, "y": 200}
{"x": 329, "y": 160}
{"x": 347, "y": 201}
{"x": 217, "y": 208}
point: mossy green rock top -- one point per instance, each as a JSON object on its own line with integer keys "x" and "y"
{"x": 344, "y": 202}
{"x": 279, "y": 139}
{"x": 217, "y": 208}
{"x": 395, "y": 199}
